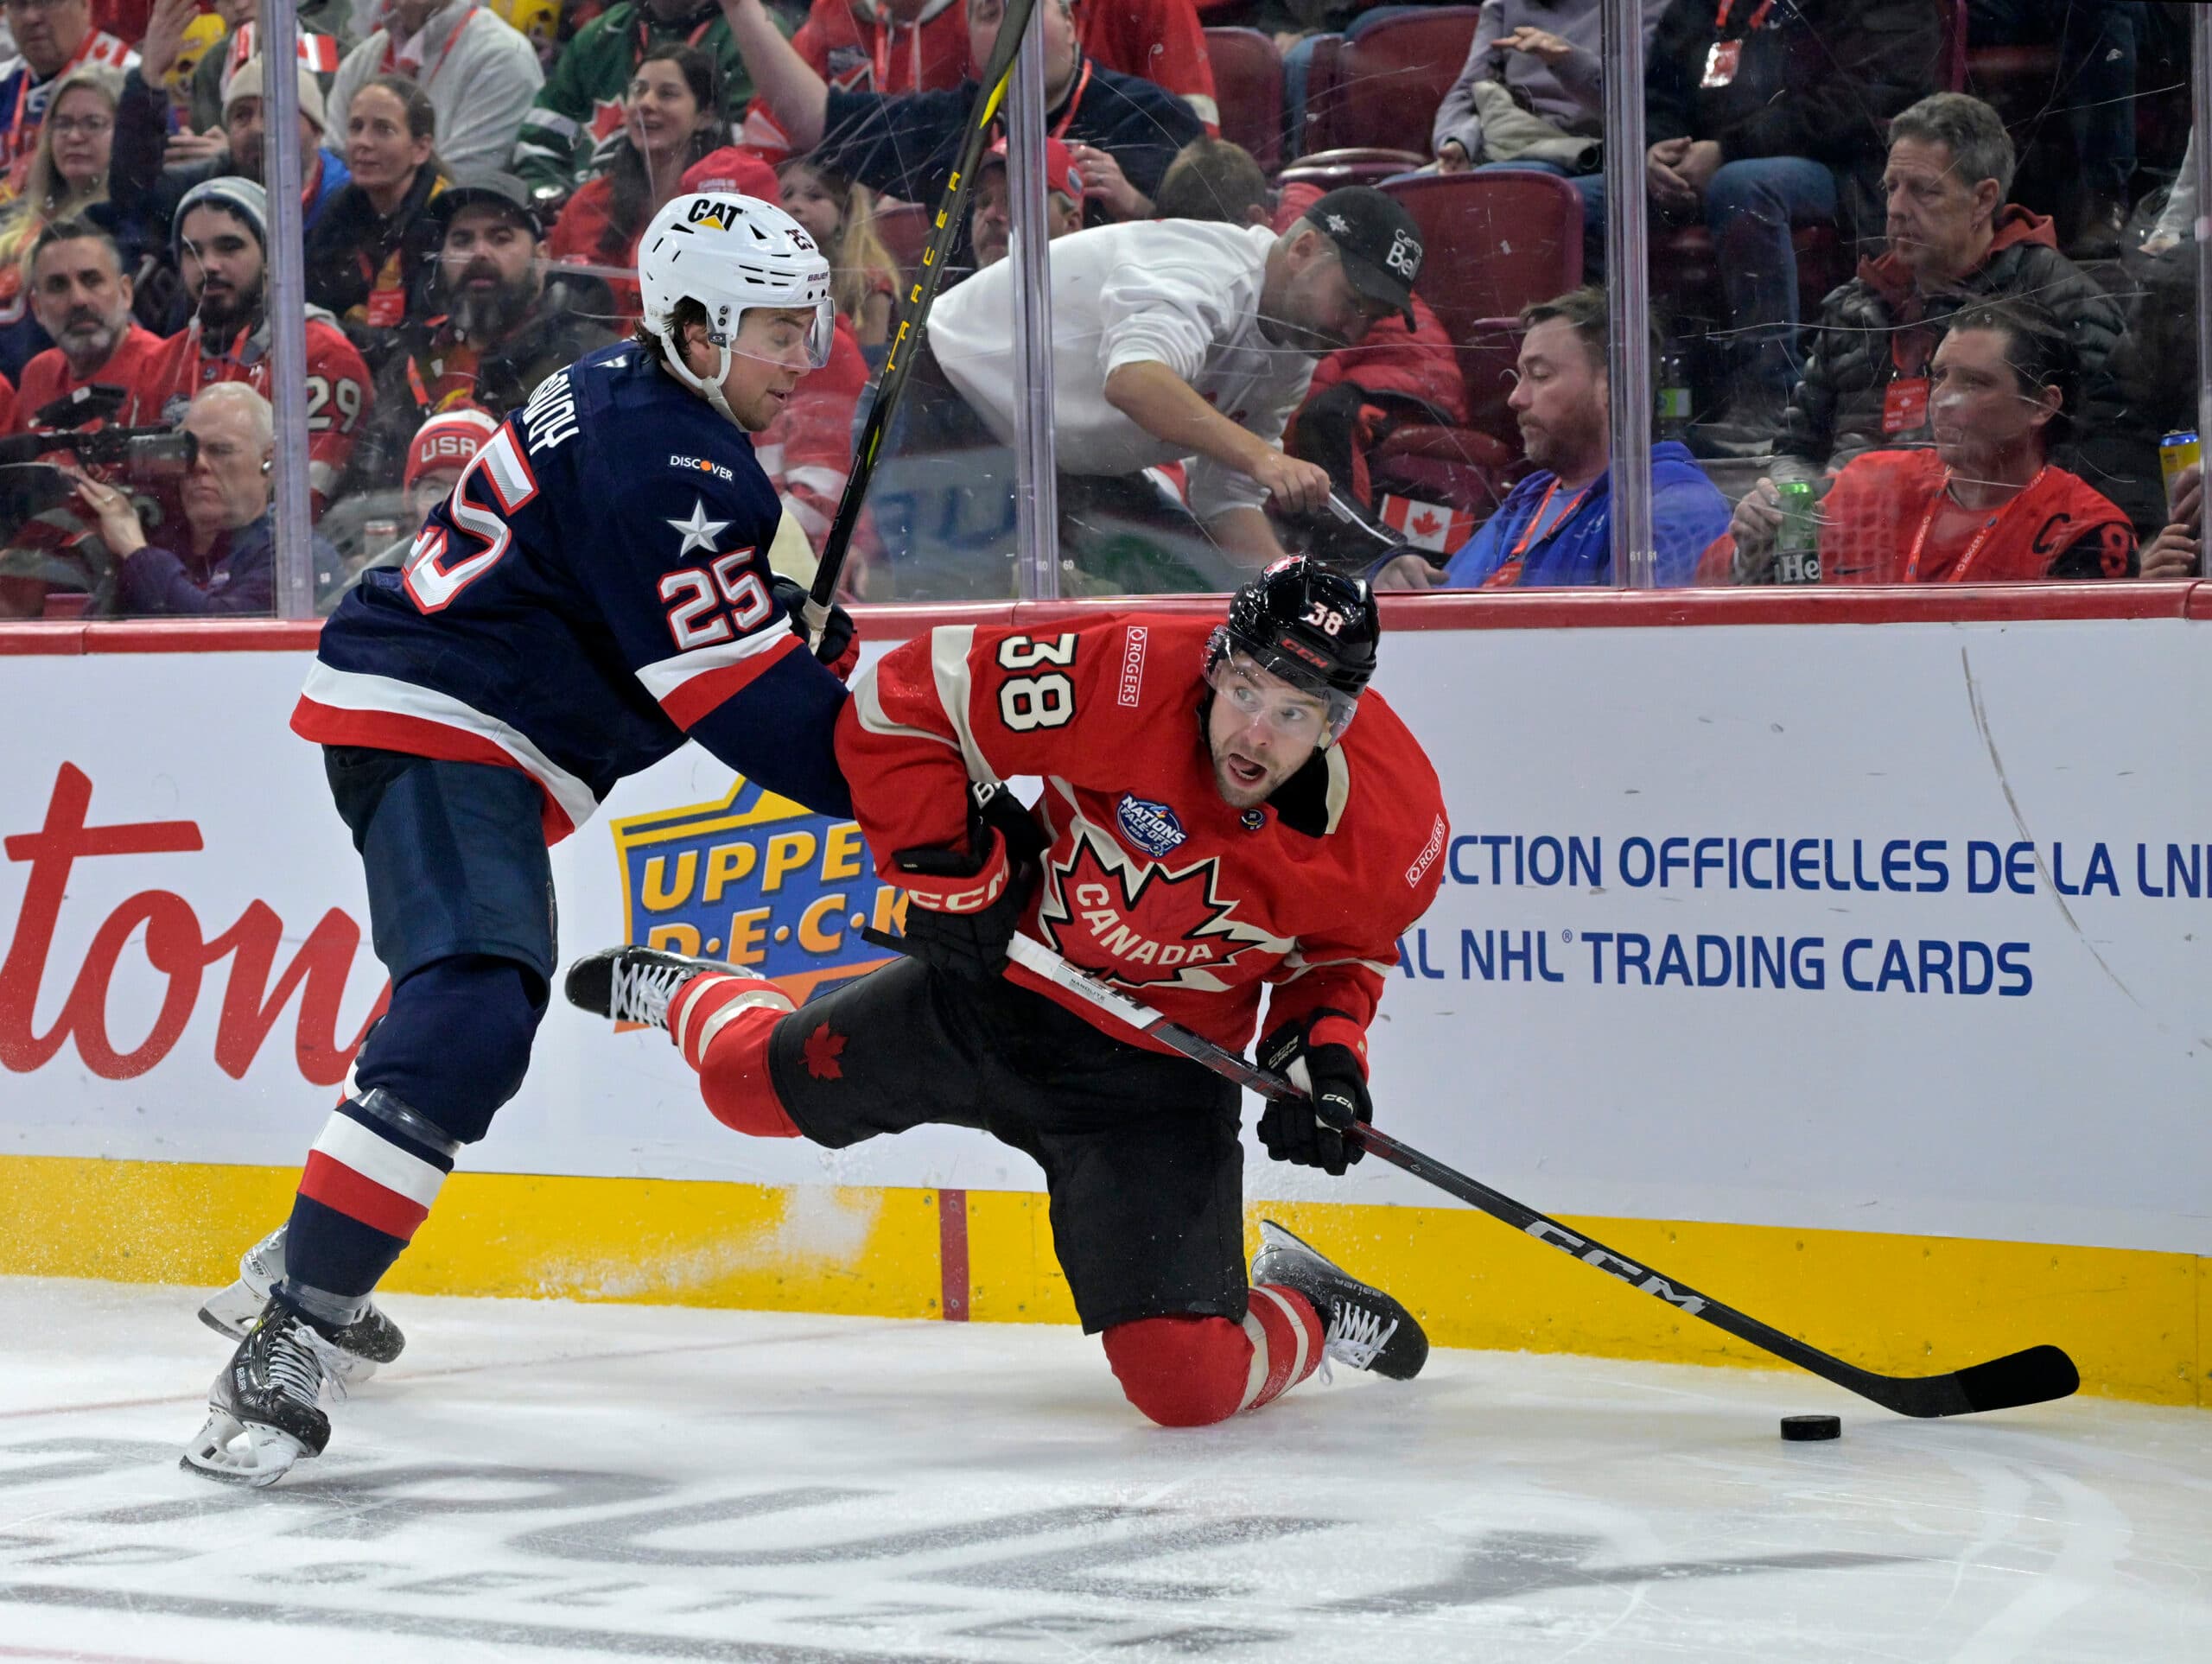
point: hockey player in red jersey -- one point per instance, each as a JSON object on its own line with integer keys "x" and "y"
{"x": 1214, "y": 824}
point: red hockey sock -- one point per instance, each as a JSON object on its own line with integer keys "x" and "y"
{"x": 721, "y": 1022}
{"x": 1193, "y": 1372}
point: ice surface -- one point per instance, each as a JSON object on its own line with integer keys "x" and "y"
{"x": 546, "y": 1481}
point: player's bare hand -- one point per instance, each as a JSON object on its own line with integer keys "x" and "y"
{"x": 1538, "y": 43}
{"x": 1105, "y": 183}
{"x": 1408, "y": 572}
{"x": 1297, "y": 486}
{"x": 2172, "y": 553}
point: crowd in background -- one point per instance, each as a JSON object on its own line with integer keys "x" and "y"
{"x": 1920, "y": 278}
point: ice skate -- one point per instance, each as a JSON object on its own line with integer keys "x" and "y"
{"x": 264, "y": 1411}
{"x": 635, "y": 985}
{"x": 371, "y": 1339}
{"x": 1367, "y": 1329}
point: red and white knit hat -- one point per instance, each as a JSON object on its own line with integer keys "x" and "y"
{"x": 449, "y": 440}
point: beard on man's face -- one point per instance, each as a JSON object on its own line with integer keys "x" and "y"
{"x": 484, "y": 308}
{"x": 86, "y": 334}
{"x": 222, "y": 307}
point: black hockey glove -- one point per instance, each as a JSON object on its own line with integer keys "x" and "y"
{"x": 841, "y": 639}
{"x": 1309, "y": 1132}
{"x": 964, "y": 905}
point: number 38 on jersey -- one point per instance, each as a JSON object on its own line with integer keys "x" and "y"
{"x": 1044, "y": 700}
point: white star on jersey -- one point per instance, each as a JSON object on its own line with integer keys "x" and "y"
{"x": 699, "y": 532}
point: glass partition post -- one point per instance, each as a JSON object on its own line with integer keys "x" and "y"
{"x": 2200, "y": 158}
{"x": 1037, "y": 519}
{"x": 1628, "y": 298}
{"x": 288, "y": 319}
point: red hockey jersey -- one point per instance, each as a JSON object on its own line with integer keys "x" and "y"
{"x": 1151, "y": 880}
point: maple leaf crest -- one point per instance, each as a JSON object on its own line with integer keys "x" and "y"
{"x": 1425, "y": 524}
{"x": 1146, "y": 927}
{"x": 605, "y": 120}
{"x": 822, "y": 1051}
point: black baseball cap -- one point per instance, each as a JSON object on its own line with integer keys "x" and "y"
{"x": 1380, "y": 243}
{"x": 501, "y": 190}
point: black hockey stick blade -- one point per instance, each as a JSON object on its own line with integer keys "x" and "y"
{"x": 991, "y": 89}
{"x": 2039, "y": 1373}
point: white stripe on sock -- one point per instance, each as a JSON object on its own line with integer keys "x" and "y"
{"x": 351, "y": 1144}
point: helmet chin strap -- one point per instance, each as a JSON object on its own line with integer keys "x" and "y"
{"x": 710, "y": 390}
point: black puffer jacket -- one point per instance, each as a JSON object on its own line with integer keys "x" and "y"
{"x": 1868, "y": 324}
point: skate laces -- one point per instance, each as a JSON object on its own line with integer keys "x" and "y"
{"x": 295, "y": 1362}
{"x": 639, "y": 993}
{"x": 1356, "y": 1334}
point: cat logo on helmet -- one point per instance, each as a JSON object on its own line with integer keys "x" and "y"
{"x": 707, "y": 211}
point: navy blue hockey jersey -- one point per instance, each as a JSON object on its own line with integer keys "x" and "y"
{"x": 595, "y": 591}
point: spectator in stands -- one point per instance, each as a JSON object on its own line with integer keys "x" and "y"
{"x": 68, "y": 174}
{"x": 2177, "y": 550}
{"x": 368, "y": 261}
{"x": 82, "y": 297}
{"x": 222, "y": 563}
{"x": 52, "y": 38}
{"x": 991, "y": 229}
{"x": 1399, "y": 373}
{"x": 537, "y": 21}
{"x": 2097, "y": 45}
{"x": 570, "y": 132}
{"x": 509, "y": 321}
{"x": 1762, "y": 118}
{"x": 482, "y": 76}
{"x": 222, "y": 231}
{"x": 1555, "y": 528}
{"x": 871, "y": 46}
{"x": 203, "y": 32}
{"x": 675, "y": 119}
{"x": 839, "y": 215}
{"x": 1953, "y": 240}
{"x": 1158, "y": 40}
{"x": 328, "y": 32}
{"x": 1987, "y": 504}
{"x": 1172, "y": 339}
{"x": 1530, "y": 59}
{"x": 137, "y": 160}
{"x": 1121, "y": 131}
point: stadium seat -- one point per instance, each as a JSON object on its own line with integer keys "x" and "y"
{"x": 1379, "y": 87}
{"x": 1495, "y": 242}
{"x": 1248, "y": 80}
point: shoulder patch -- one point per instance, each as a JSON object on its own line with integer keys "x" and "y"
{"x": 700, "y": 464}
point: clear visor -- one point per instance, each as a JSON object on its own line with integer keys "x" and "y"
{"x": 1290, "y": 712}
{"x": 792, "y": 338}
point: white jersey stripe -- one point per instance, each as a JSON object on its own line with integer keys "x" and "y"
{"x": 1256, "y": 1332}
{"x": 352, "y": 690}
{"x": 949, "y": 645}
{"x": 353, "y": 1146}
{"x": 664, "y": 676}
{"x": 868, "y": 704}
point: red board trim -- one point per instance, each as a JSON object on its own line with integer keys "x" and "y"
{"x": 1546, "y": 609}
{"x": 952, "y": 1254}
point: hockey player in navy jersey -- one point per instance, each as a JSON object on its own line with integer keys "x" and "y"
{"x": 595, "y": 591}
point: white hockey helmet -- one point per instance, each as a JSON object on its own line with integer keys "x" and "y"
{"x": 729, "y": 253}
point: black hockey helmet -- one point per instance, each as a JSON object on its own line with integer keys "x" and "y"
{"x": 1315, "y": 628}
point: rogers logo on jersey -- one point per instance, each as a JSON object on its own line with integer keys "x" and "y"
{"x": 1132, "y": 671}
{"x": 1429, "y": 852}
{"x": 1151, "y": 827}
{"x": 699, "y": 464}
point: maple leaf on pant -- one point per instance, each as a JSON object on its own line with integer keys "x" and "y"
{"x": 822, "y": 1051}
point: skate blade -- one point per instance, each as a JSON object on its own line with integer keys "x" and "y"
{"x": 234, "y": 1310}
{"x": 241, "y": 1453}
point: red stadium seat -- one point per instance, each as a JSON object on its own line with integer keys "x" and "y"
{"x": 1388, "y": 78}
{"x": 1248, "y": 80}
{"x": 1495, "y": 242}
{"x": 1355, "y": 166}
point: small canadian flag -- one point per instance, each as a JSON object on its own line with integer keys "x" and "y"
{"x": 1427, "y": 525}
{"x": 318, "y": 52}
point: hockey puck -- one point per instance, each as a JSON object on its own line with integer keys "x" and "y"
{"x": 1800, "y": 1429}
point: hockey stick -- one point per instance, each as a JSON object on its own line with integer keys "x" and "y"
{"x": 991, "y": 92}
{"x": 2033, "y": 1377}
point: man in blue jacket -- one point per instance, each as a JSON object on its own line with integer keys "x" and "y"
{"x": 1557, "y": 525}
